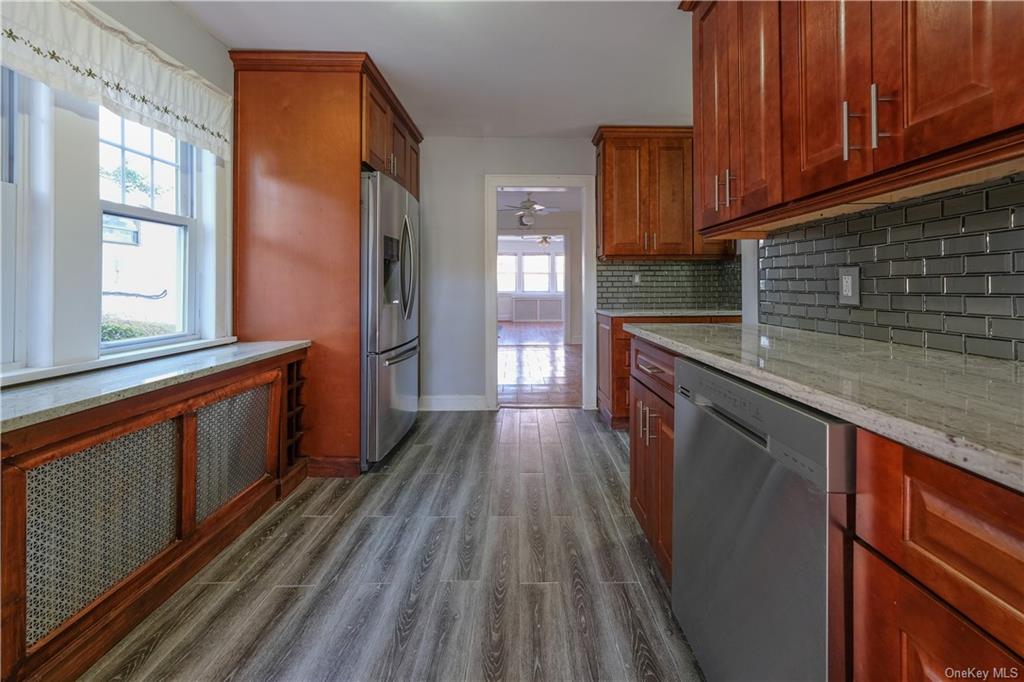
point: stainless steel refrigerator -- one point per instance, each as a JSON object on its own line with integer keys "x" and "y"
{"x": 390, "y": 315}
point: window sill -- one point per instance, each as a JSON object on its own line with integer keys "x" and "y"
{"x": 13, "y": 377}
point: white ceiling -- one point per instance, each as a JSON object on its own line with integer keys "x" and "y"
{"x": 493, "y": 69}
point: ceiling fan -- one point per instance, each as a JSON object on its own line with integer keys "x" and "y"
{"x": 543, "y": 240}
{"x": 529, "y": 207}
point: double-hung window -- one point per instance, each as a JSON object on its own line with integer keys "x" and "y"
{"x": 508, "y": 272}
{"x": 147, "y": 189}
{"x": 8, "y": 221}
{"x": 536, "y": 273}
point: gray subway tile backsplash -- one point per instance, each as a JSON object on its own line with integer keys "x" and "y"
{"x": 943, "y": 272}
{"x": 682, "y": 284}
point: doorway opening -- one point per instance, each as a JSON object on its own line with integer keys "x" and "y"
{"x": 538, "y": 296}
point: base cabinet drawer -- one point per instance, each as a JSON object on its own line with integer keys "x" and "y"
{"x": 959, "y": 535}
{"x": 901, "y": 632}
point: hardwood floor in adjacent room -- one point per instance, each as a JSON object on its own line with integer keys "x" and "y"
{"x": 535, "y": 368}
{"x": 492, "y": 545}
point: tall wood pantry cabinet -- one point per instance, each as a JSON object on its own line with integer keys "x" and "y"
{"x": 645, "y": 195}
{"x": 306, "y": 124}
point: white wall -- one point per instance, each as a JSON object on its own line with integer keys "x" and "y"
{"x": 452, "y": 216}
{"x": 174, "y": 31}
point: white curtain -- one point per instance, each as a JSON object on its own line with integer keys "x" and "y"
{"x": 74, "y": 47}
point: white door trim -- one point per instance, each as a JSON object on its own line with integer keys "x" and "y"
{"x": 588, "y": 249}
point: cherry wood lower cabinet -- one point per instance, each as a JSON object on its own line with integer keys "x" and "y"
{"x": 613, "y": 362}
{"x": 652, "y": 447}
{"x": 107, "y": 512}
{"x": 942, "y": 586}
{"x": 901, "y": 632}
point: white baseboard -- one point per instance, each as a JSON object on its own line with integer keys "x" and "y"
{"x": 452, "y": 403}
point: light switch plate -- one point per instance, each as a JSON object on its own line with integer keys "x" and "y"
{"x": 849, "y": 285}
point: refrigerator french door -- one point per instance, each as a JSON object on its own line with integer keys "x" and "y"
{"x": 390, "y": 329}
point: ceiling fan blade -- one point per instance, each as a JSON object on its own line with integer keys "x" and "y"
{"x": 552, "y": 209}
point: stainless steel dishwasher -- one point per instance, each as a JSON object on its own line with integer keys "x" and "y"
{"x": 750, "y": 573}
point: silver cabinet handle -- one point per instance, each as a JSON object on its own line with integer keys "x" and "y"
{"x": 728, "y": 187}
{"x": 716, "y": 192}
{"x": 655, "y": 242}
{"x": 846, "y": 130}
{"x": 640, "y": 416}
{"x": 875, "y": 99}
{"x": 647, "y": 369}
{"x": 647, "y": 425}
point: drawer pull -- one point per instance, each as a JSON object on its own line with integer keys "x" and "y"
{"x": 647, "y": 369}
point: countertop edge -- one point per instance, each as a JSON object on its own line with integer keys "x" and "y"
{"x": 38, "y": 417}
{"x": 671, "y": 312}
{"x": 1001, "y": 468}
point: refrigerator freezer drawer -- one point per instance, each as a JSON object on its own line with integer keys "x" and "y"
{"x": 393, "y": 387}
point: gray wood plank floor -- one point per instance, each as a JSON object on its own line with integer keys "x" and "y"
{"x": 491, "y": 545}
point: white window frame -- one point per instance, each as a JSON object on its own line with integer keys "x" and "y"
{"x": 187, "y": 189}
{"x": 522, "y": 273}
{"x": 517, "y": 273}
{"x": 52, "y": 344}
{"x": 192, "y": 239}
{"x": 13, "y": 190}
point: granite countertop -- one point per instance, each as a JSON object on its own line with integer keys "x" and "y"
{"x": 667, "y": 312}
{"x": 28, "y": 404}
{"x": 962, "y": 409}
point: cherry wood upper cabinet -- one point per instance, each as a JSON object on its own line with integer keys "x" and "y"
{"x": 622, "y": 224}
{"x": 671, "y": 200}
{"x": 755, "y": 121}
{"x": 376, "y": 144}
{"x": 826, "y": 63}
{"x": 413, "y": 167}
{"x": 645, "y": 195}
{"x": 390, "y": 141}
{"x": 944, "y": 73}
{"x": 711, "y": 110}
{"x": 877, "y": 101}
{"x": 399, "y": 153}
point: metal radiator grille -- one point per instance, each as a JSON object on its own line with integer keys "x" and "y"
{"x": 232, "y": 448}
{"x": 94, "y": 517}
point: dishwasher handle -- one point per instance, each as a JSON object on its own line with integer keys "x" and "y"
{"x": 728, "y": 420}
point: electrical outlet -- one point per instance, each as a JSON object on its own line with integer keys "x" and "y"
{"x": 849, "y": 285}
{"x": 636, "y": 278}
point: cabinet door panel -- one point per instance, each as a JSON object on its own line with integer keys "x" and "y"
{"x": 755, "y": 125}
{"x": 376, "y": 128}
{"x": 639, "y": 466}
{"x": 959, "y": 535}
{"x": 826, "y": 60}
{"x": 604, "y": 366}
{"x": 900, "y": 632}
{"x": 399, "y": 152}
{"x": 949, "y": 73}
{"x": 413, "y": 168}
{"x": 711, "y": 106}
{"x": 625, "y": 196}
{"x": 671, "y": 197}
{"x": 663, "y": 452}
